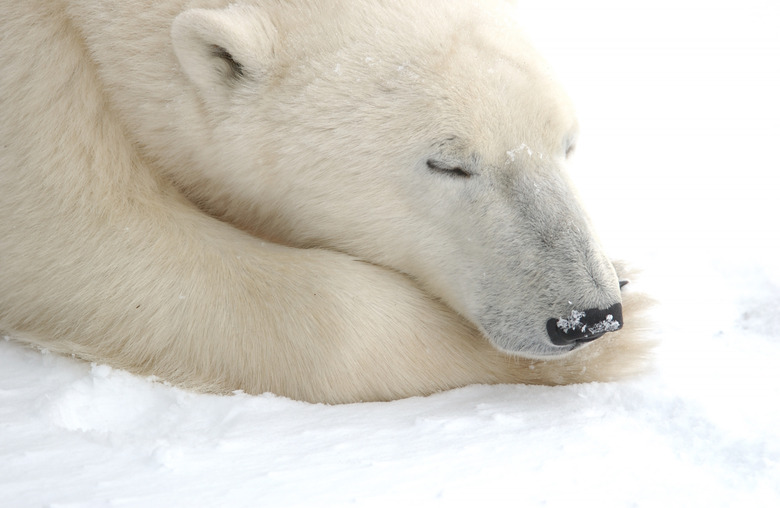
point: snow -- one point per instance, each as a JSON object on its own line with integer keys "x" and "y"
{"x": 679, "y": 117}
{"x": 572, "y": 322}
{"x": 512, "y": 154}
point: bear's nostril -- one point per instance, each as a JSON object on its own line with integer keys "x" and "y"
{"x": 584, "y": 325}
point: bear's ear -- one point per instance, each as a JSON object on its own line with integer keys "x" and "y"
{"x": 218, "y": 48}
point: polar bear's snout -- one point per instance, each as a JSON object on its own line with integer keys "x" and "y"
{"x": 585, "y": 326}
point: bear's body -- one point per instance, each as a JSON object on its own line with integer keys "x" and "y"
{"x": 216, "y": 196}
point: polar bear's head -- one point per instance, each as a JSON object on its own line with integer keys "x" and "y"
{"x": 423, "y": 136}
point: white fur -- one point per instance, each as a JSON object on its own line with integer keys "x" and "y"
{"x": 238, "y": 197}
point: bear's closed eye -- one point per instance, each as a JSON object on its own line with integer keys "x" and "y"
{"x": 441, "y": 167}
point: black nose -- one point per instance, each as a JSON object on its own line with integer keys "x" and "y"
{"x": 585, "y": 325}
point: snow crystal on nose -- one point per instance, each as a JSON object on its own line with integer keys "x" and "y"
{"x": 572, "y": 322}
{"x": 609, "y": 324}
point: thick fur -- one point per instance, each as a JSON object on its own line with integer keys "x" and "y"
{"x": 185, "y": 194}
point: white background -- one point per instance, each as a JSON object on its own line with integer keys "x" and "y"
{"x": 678, "y": 163}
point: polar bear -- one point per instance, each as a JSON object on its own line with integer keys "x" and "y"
{"x": 333, "y": 201}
